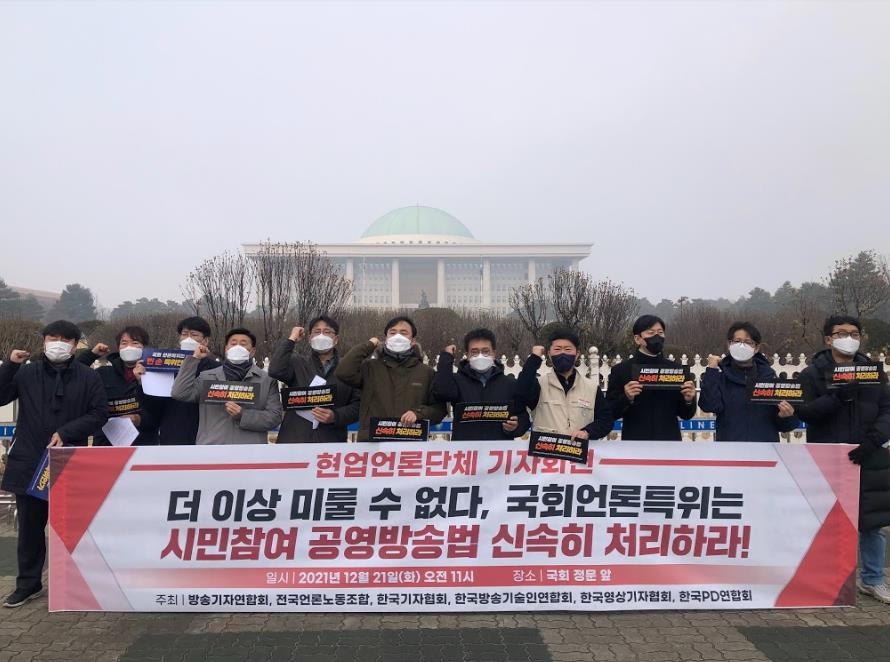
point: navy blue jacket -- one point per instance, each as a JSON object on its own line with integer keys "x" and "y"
{"x": 725, "y": 392}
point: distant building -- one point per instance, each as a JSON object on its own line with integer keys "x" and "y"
{"x": 415, "y": 251}
{"x": 44, "y": 298}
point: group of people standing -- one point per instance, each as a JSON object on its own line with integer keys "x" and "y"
{"x": 64, "y": 402}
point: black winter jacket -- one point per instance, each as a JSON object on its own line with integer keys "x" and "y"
{"x": 70, "y": 401}
{"x": 466, "y": 386}
{"x": 725, "y": 392}
{"x": 298, "y": 371}
{"x": 861, "y": 417}
{"x": 117, "y": 387}
{"x": 177, "y": 421}
{"x": 653, "y": 413}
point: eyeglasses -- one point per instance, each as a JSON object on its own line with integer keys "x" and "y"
{"x": 479, "y": 352}
{"x": 326, "y": 332}
{"x": 197, "y": 335}
{"x": 846, "y": 334}
{"x": 748, "y": 342}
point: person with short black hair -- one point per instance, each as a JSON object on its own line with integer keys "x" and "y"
{"x": 648, "y": 414}
{"x": 177, "y": 422}
{"x": 854, "y": 414}
{"x": 394, "y": 382}
{"x": 298, "y": 371}
{"x": 230, "y": 423}
{"x": 121, "y": 376}
{"x": 727, "y": 384}
{"x": 61, "y": 403}
{"x": 563, "y": 401}
{"x": 480, "y": 378}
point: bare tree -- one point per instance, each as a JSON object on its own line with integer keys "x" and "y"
{"x": 860, "y": 284}
{"x": 273, "y": 265}
{"x": 529, "y": 302}
{"x": 224, "y": 286}
{"x": 614, "y": 306}
{"x": 572, "y": 297}
{"x": 318, "y": 286}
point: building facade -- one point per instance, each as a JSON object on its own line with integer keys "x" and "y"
{"x": 419, "y": 256}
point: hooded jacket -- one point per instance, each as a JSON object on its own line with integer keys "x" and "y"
{"x": 725, "y": 392}
{"x": 390, "y": 387}
{"x": 653, "y": 413}
{"x": 466, "y": 385}
{"x": 298, "y": 371}
{"x": 70, "y": 401}
{"x": 215, "y": 425}
{"x": 860, "y": 416}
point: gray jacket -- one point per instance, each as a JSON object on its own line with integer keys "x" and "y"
{"x": 216, "y": 426}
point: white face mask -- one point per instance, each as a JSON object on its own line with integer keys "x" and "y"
{"x": 321, "y": 343}
{"x": 237, "y": 354}
{"x": 848, "y": 346}
{"x": 130, "y": 354}
{"x": 741, "y": 352}
{"x": 57, "y": 351}
{"x": 398, "y": 343}
{"x": 481, "y": 363}
{"x": 189, "y": 344}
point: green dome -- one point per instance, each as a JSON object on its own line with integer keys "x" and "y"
{"x": 417, "y": 220}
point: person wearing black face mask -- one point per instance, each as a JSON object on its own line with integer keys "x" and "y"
{"x": 563, "y": 401}
{"x": 648, "y": 414}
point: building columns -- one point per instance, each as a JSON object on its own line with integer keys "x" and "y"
{"x": 350, "y": 269}
{"x": 395, "y": 283}
{"x": 532, "y": 276}
{"x": 440, "y": 283}
{"x": 486, "y": 283}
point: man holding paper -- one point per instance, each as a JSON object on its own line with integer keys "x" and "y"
{"x": 61, "y": 403}
{"x": 314, "y": 375}
{"x": 178, "y": 421}
{"x": 238, "y": 403}
{"x": 131, "y": 420}
{"x": 839, "y": 409}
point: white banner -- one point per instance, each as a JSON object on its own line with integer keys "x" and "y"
{"x": 451, "y": 527}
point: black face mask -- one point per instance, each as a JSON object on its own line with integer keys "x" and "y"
{"x": 655, "y": 344}
{"x": 563, "y": 362}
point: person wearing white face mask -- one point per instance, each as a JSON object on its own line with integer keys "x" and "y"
{"x": 231, "y": 423}
{"x": 121, "y": 377}
{"x": 396, "y": 384}
{"x": 61, "y": 403}
{"x": 177, "y": 422}
{"x": 479, "y": 378}
{"x": 854, "y": 414}
{"x": 725, "y": 390}
{"x": 299, "y": 371}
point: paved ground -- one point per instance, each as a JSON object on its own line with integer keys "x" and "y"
{"x": 814, "y": 635}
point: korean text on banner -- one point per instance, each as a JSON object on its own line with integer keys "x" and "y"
{"x": 447, "y": 527}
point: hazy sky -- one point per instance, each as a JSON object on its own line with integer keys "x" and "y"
{"x": 703, "y": 147}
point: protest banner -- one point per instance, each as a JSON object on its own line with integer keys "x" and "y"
{"x": 452, "y": 527}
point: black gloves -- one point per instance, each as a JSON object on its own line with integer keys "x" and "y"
{"x": 873, "y": 441}
{"x": 861, "y": 453}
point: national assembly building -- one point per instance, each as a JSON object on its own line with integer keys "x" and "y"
{"x": 422, "y": 256}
